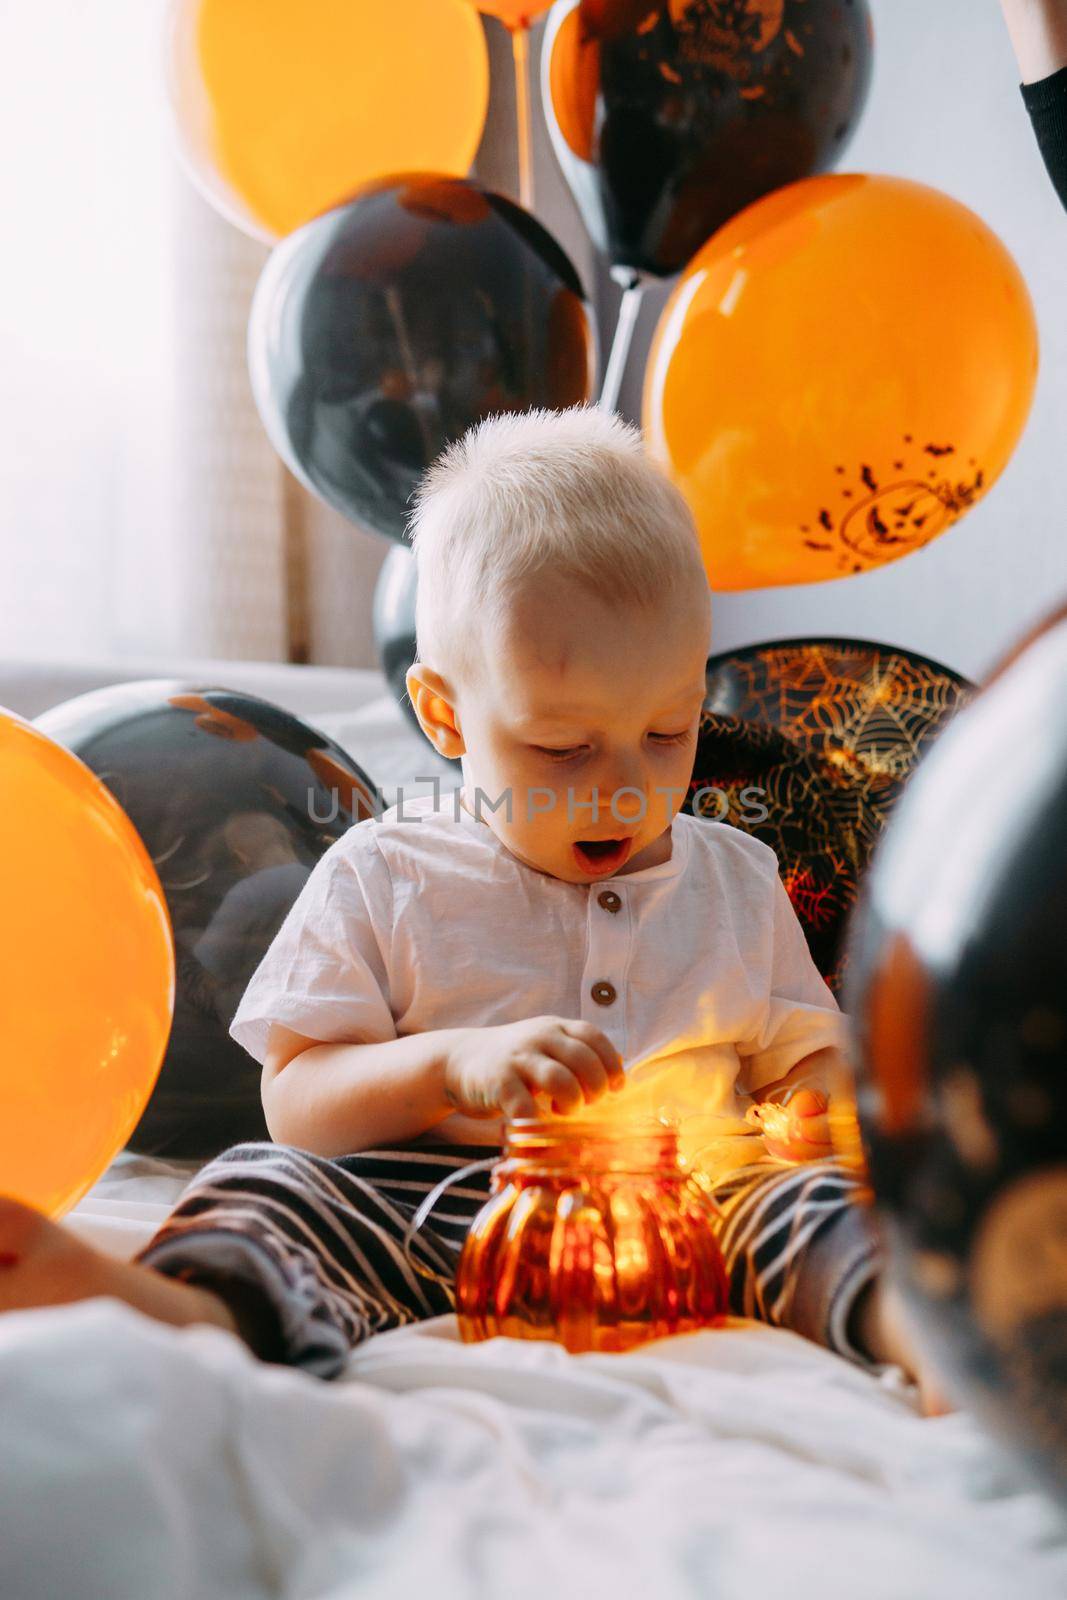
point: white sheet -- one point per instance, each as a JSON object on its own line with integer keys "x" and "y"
{"x": 140, "y": 1461}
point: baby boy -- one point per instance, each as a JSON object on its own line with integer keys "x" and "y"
{"x": 517, "y": 948}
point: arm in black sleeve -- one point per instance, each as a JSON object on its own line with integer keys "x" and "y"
{"x": 1046, "y": 101}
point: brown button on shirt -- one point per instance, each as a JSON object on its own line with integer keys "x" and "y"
{"x": 603, "y": 993}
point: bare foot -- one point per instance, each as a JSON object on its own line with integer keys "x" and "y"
{"x": 42, "y": 1264}
{"x": 883, "y": 1330}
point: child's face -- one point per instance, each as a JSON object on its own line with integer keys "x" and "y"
{"x": 579, "y": 700}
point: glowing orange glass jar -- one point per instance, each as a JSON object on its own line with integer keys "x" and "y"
{"x": 595, "y": 1236}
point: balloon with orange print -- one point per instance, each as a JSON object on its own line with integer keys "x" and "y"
{"x": 88, "y": 973}
{"x": 667, "y": 117}
{"x": 839, "y": 375}
{"x": 957, "y": 995}
{"x": 282, "y": 115}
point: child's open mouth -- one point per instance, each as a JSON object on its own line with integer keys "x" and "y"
{"x": 602, "y": 855}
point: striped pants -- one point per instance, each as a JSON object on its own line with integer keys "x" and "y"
{"x": 310, "y": 1254}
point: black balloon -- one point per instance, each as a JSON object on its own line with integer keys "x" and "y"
{"x": 958, "y": 993}
{"x": 394, "y": 623}
{"x": 387, "y": 327}
{"x": 670, "y": 116}
{"x": 235, "y": 801}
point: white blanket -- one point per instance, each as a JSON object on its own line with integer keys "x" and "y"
{"x": 140, "y": 1461}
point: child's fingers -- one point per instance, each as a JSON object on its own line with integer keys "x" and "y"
{"x": 517, "y": 1101}
{"x": 584, "y": 1062}
{"x": 595, "y": 1039}
{"x": 807, "y": 1103}
{"x": 813, "y": 1130}
{"x": 556, "y": 1082}
{"x": 794, "y": 1146}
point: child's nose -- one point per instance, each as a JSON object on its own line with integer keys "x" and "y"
{"x": 624, "y": 783}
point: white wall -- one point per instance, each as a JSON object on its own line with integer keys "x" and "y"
{"x": 945, "y": 108}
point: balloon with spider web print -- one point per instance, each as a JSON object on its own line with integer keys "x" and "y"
{"x": 806, "y": 744}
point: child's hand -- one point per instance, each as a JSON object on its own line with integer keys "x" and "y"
{"x": 799, "y": 1131}
{"x": 509, "y": 1068}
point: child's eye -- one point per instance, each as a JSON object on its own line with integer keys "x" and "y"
{"x": 571, "y": 751}
{"x": 559, "y": 755}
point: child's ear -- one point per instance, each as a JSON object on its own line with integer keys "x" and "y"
{"x": 432, "y": 699}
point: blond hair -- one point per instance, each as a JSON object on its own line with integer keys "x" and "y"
{"x": 569, "y": 492}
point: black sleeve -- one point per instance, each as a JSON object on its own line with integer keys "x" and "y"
{"x": 1046, "y": 102}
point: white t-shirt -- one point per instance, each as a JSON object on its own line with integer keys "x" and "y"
{"x": 422, "y": 919}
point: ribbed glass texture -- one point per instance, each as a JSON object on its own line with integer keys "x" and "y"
{"x": 594, "y": 1236}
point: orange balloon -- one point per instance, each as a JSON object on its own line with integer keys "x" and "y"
{"x": 514, "y": 14}
{"x": 284, "y": 111}
{"x": 840, "y": 373}
{"x": 88, "y": 973}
